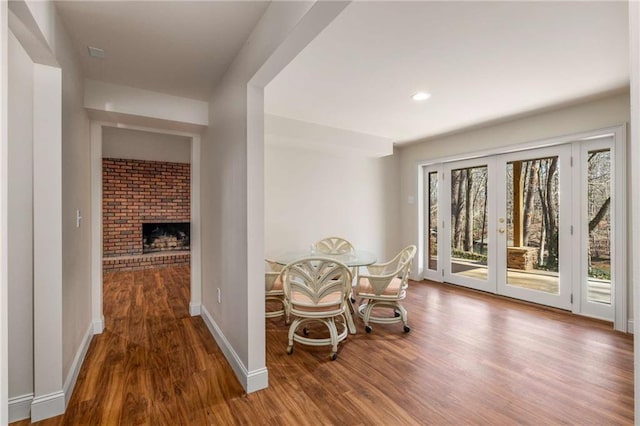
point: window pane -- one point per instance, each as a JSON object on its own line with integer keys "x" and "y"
{"x": 532, "y": 224}
{"x": 469, "y": 222}
{"x": 433, "y": 222}
{"x": 599, "y": 227}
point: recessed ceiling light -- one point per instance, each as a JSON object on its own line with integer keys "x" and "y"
{"x": 95, "y": 52}
{"x": 421, "y": 96}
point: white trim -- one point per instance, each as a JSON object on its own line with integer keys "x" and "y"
{"x": 76, "y": 365}
{"x": 4, "y": 139}
{"x": 251, "y": 381}
{"x": 630, "y": 326}
{"x": 634, "y": 154}
{"x": 98, "y": 326}
{"x": 96, "y": 227}
{"x": 195, "y": 234}
{"x": 47, "y": 406}
{"x": 620, "y": 236}
{"x": 20, "y": 407}
{"x": 195, "y": 309}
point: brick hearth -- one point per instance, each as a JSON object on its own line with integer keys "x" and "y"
{"x": 136, "y": 192}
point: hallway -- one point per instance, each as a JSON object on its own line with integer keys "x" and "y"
{"x": 154, "y": 364}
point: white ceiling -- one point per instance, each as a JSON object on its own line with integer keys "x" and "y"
{"x": 181, "y": 48}
{"x": 481, "y": 61}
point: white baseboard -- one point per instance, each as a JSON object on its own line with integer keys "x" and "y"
{"x": 630, "y": 326}
{"x": 54, "y": 404}
{"x": 46, "y": 406}
{"x": 20, "y": 407}
{"x": 251, "y": 381}
{"x": 194, "y": 309}
{"x": 72, "y": 375}
{"x": 98, "y": 325}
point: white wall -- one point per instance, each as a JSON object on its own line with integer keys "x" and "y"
{"x": 597, "y": 114}
{"x": 311, "y": 194}
{"x": 137, "y": 102}
{"x": 4, "y": 355}
{"x": 232, "y": 179}
{"x": 138, "y": 145}
{"x": 76, "y": 195}
{"x": 634, "y": 158}
{"x": 20, "y": 265}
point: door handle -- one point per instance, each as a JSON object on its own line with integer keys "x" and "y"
{"x": 501, "y": 230}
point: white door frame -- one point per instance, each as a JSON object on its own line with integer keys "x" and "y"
{"x": 96, "y": 220}
{"x": 619, "y": 135}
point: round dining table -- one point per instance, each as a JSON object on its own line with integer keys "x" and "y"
{"x": 352, "y": 259}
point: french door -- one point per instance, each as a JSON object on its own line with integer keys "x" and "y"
{"x": 469, "y": 225}
{"x": 499, "y": 224}
{"x": 546, "y": 225}
{"x": 534, "y": 232}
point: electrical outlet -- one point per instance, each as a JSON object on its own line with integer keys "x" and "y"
{"x": 78, "y": 218}
{"x": 219, "y": 299}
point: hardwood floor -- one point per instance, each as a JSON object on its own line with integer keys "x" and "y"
{"x": 469, "y": 359}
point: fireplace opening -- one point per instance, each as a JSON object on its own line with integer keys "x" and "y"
{"x": 165, "y": 237}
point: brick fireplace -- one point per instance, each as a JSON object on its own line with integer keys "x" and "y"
{"x": 145, "y": 195}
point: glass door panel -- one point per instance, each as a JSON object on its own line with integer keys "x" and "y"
{"x": 432, "y": 211}
{"x": 469, "y": 249}
{"x": 599, "y": 226}
{"x": 532, "y": 224}
{"x": 469, "y": 231}
{"x": 432, "y": 266}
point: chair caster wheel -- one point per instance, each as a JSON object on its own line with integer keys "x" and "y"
{"x": 396, "y": 314}
{"x": 334, "y": 356}
{"x": 305, "y": 331}
{"x": 406, "y": 329}
{"x": 353, "y": 300}
{"x": 289, "y": 350}
{"x": 367, "y": 328}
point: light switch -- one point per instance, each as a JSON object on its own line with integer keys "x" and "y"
{"x": 78, "y": 218}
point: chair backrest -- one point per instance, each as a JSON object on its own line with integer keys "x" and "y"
{"x": 334, "y": 245}
{"x": 318, "y": 282}
{"x": 271, "y": 273}
{"x": 381, "y": 275}
{"x": 405, "y": 258}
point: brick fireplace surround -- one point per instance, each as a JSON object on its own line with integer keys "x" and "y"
{"x": 136, "y": 192}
